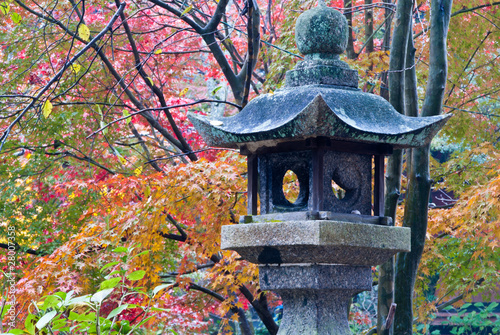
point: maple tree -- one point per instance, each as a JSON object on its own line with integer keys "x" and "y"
{"x": 94, "y": 113}
{"x": 97, "y": 153}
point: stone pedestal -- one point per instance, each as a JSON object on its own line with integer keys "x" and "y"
{"x": 315, "y": 296}
{"x": 316, "y": 266}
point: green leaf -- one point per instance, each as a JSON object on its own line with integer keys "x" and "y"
{"x": 4, "y": 8}
{"x": 45, "y": 319}
{"x": 16, "y": 18}
{"x": 99, "y": 296}
{"x": 73, "y": 316}
{"x": 145, "y": 320}
{"x": 136, "y": 275}
{"x": 5, "y": 310}
{"x": 59, "y": 325}
{"x": 116, "y": 272}
{"x": 15, "y": 332}
{"x": 126, "y": 114}
{"x": 51, "y": 301}
{"x": 120, "y": 249}
{"x": 109, "y": 265}
{"x": 61, "y": 295}
{"x": 216, "y": 89}
{"x": 110, "y": 283}
{"x": 187, "y": 10}
{"x": 117, "y": 311}
{"x": 29, "y": 324}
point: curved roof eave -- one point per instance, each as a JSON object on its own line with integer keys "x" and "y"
{"x": 313, "y": 111}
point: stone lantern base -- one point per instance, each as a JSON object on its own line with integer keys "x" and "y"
{"x": 316, "y": 266}
{"x": 315, "y": 297}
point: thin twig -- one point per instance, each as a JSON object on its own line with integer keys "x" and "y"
{"x": 159, "y": 109}
{"x": 56, "y": 78}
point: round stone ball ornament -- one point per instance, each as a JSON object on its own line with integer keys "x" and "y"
{"x": 321, "y": 30}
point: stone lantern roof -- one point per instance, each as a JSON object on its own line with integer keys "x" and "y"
{"x": 320, "y": 99}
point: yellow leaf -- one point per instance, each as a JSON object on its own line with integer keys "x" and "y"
{"x": 138, "y": 171}
{"x": 159, "y": 51}
{"x": 126, "y": 114}
{"x": 103, "y": 124}
{"x": 5, "y": 8}
{"x": 47, "y": 108}
{"x": 183, "y": 92}
{"x": 84, "y": 32}
{"x": 187, "y": 10}
{"x": 150, "y": 81}
{"x": 76, "y": 68}
{"x": 147, "y": 191}
{"x": 122, "y": 160}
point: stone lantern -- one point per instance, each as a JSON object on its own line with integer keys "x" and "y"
{"x": 317, "y": 251}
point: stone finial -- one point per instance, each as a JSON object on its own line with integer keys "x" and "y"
{"x": 321, "y": 32}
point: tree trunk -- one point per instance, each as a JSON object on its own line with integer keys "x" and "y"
{"x": 386, "y": 270}
{"x": 415, "y": 217}
{"x": 351, "y": 54}
{"x": 395, "y": 161}
{"x": 416, "y": 205}
{"x": 369, "y": 26}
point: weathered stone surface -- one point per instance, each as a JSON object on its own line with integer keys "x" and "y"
{"x": 315, "y": 312}
{"x": 315, "y": 241}
{"x": 315, "y": 277}
{"x": 321, "y": 30}
{"x": 322, "y": 215}
{"x": 315, "y": 297}
{"x": 317, "y": 73}
{"x": 317, "y": 110}
{"x": 272, "y": 169}
{"x": 352, "y": 172}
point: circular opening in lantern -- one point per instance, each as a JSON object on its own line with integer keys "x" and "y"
{"x": 338, "y": 191}
{"x": 291, "y": 186}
